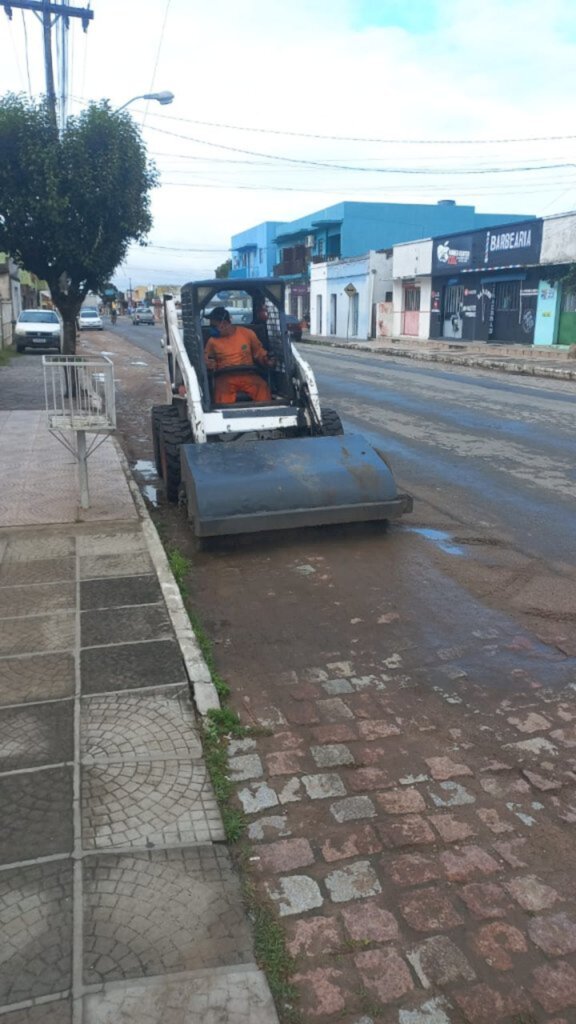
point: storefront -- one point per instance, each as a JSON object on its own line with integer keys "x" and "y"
{"x": 485, "y": 284}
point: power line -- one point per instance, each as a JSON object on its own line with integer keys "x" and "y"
{"x": 26, "y": 53}
{"x": 355, "y": 138}
{"x": 160, "y": 41}
{"x": 300, "y": 161}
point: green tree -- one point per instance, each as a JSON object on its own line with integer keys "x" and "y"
{"x": 224, "y": 269}
{"x": 71, "y": 204}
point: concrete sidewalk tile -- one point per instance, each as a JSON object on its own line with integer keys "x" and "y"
{"x": 36, "y": 677}
{"x": 38, "y": 634}
{"x": 245, "y": 766}
{"x": 162, "y": 912}
{"x": 138, "y": 726}
{"x": 37, "y": 735}
{"x": 353, "y": 808}
{"x": 39, "y": 548}
{"x": 36, "y": 814}
{"x": 37, "y": 598}
{"x": 131, "y": 666}
{"x": 331, "y": 755}
{"x": 36, "y": 927}
{"x": 53, "y": 1012}
{"x": 137, "y": 563}
{"x": 110, "y": 542}
{"x": 46, "y": 570}
{"x": 239, "y": 996}
{"x": 117, "y": 591}
{"x": 125, "y": 625}
{"x": 145, "y": 805}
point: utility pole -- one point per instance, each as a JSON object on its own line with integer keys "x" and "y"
{"x": 44, "y": 9}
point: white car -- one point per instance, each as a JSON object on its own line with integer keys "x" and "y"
{"x": 38, "y": 328}
{"x": 89, "y": 319}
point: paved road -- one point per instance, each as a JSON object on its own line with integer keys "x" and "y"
{"x": 489, "y": 451}
{"x": 144, "y": 336}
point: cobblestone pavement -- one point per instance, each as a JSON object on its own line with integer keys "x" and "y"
{"x": 420, "y": 879}
{"x": 118, "y": 899}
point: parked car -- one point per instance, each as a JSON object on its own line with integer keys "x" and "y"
{"x": 143, "y": 316}
{"x": 38, "y": 328}
{"x": 294, "y": 326}
{"x": 89, "y": 319}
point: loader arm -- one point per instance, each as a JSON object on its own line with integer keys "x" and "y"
{"x": 178, "y": 357}
{"x": 308, "y": 382}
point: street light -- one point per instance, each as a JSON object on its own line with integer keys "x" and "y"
{"x": 164, "y": 98}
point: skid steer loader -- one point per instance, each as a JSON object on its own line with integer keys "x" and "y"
{"x": 251, "y": 466}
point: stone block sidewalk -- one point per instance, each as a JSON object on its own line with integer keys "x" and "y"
{"x": 118, "y": 900}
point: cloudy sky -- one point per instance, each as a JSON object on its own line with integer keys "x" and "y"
{"x": 282, "y": 108}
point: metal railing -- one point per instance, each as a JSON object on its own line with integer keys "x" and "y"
{"x": 80, "y": 398}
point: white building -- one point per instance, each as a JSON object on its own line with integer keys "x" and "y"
{"x": 343, "y": 294}
{"x": 412, "y": 289}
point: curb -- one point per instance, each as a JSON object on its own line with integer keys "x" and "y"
{"x": 482, "y": 362}
{"x": 203, "y": 691}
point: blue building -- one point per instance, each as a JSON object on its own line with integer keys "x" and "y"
{"x": 254, "y": 250}
{"x": 286, "y": 249}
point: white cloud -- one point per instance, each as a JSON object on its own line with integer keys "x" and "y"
{"x": 500, "y": 69}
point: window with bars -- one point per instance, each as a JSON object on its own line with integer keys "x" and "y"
{"x": 412, "y": 300}
{"x": 507, "y": 296}
{"x": 569, "y": 300}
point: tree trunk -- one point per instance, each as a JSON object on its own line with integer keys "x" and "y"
{"x": 69, "y": 346}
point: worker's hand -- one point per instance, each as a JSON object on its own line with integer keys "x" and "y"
{"x": 210, "y": 363}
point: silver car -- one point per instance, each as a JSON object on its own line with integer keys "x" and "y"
{"x": 143, "y": 316}
{"x": 90, "y": 319}
{"x": 38, "y": 328}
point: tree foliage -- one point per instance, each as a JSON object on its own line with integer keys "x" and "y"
{"x": 224, "y": 269}
{"x": 71, "y": 204}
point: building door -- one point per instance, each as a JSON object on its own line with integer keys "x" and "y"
{"x": 567, "y": 322}
{"x": 505, "y": 322}
{"x": 353, "y": 315}
{"x": 452, "y": 318}
{"x": 318, "y": 314}
{"x": 411, "y": 315}
{"x": 333, "y": 313}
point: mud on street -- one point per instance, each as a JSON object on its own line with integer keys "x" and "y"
{"x": 412, "y": 799}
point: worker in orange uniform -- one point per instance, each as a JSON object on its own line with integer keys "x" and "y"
{"x": 234, "y": 346}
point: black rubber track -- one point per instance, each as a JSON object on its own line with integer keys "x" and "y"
{"x": 174, "y": 433}
{"x": 159, "y": 415}
{"x": 331, "y": 423}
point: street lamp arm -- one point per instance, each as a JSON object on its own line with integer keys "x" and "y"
{"x": 163, "y": 98}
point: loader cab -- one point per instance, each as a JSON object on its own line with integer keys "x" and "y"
{"x": 257, "y": 304}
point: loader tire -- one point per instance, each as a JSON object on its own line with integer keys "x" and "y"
{"x": 173, "y": 434}
{"x": 331, "y": 423}
{"x": 160, "y": 414}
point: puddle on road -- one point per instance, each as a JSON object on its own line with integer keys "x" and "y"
{"x": 151, "y": 494}
{"x": 146, "y": 470}
{"x": 440, "y": 538}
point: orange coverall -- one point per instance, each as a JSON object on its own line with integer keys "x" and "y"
{"x": 241, "y": 348}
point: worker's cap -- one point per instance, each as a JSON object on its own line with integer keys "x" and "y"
{"x": 219, "y": 313}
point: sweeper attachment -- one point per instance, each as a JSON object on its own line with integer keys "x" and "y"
{"x": 250, "y": 466}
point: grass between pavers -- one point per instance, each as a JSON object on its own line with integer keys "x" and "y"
{"x": 7, "y": 355}
{"x": 219, "y": 726}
